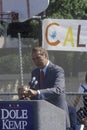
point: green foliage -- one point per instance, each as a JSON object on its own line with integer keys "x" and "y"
{"x": 68, "y": 9}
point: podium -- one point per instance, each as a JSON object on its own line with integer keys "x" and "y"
{"x": 31, "y": 115}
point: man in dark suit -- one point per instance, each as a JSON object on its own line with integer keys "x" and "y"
{"x": 53, "y": 86}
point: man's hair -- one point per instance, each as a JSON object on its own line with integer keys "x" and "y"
{"x": 41, "y": 50}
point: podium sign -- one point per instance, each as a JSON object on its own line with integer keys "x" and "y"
{"x": 16, "y": 115}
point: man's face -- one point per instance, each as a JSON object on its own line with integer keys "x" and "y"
{"x": 39, "y": 59}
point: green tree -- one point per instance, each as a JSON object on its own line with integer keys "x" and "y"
{"x": 68, "y": 9}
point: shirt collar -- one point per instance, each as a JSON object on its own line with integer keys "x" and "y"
{"x": 45, "y": 68}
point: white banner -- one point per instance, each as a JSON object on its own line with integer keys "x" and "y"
{"x": 64, "y": 34}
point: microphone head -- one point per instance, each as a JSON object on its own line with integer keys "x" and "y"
{"x": 32, "y": 82}
{"x": 33, "y": 79}
{"x": 36, "y": 82}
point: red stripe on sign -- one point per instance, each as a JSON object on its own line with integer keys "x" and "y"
{"x": 28, "y": 8}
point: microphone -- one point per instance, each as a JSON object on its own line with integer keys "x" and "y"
{"x": 33, "y": 79}
{"x": 33, "y": 82}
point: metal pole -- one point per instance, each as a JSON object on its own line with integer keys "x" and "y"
{"x": 20, "y": 57}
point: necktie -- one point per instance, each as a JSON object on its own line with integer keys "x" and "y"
{"x": 41, "y": 77}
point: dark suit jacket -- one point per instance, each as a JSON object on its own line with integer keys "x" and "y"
{"x": 53, "y": 88}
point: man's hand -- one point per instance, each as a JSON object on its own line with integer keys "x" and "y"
{"x": 22, "y": 93}
{"x": 32, "y": 93}
{"x": 25, "y": 93}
